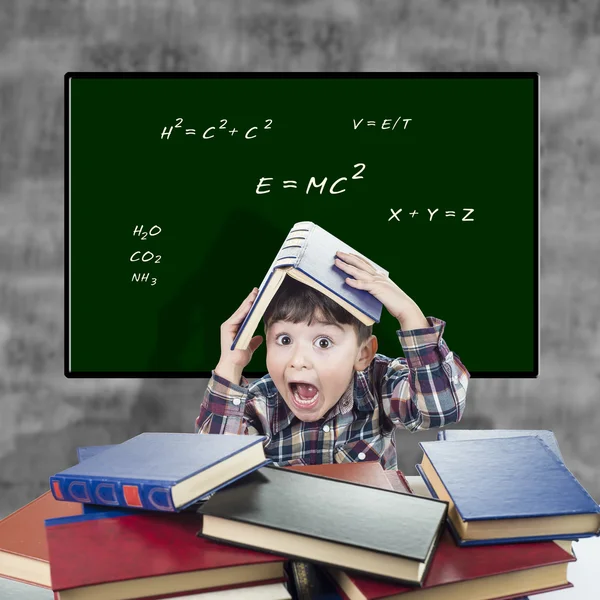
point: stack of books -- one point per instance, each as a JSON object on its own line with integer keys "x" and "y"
{"x": 514, "y": 511}
{"x": 169, "y": 515}
{"x": 122, "y": 524}
{"x": 210, "y": 518}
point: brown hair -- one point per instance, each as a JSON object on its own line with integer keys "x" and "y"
{"x": 296, "y": 302}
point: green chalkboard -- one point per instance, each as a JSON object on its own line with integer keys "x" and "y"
{"x": 432, "y": 176}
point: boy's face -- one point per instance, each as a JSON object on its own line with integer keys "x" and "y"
{"x": 312, "y": 365}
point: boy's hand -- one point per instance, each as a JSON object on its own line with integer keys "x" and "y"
{"x": 365, "y": 277}
{"x": 232, "y": 362}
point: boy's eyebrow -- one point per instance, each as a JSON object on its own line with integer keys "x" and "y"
{"x": 328, "y": 323}
{"x": 318, "y": 322}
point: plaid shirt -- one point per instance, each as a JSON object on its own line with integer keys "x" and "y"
{"x": 424, "y": 390}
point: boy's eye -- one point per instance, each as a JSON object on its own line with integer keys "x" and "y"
{"x": 283, "y": 339}
{"x": 323, "y": 343}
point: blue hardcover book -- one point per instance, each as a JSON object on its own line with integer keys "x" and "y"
{"x": 545, "y": 435}
{"x": 85, "y": 452}
{"x": 308, "y": 254}
{"x": 460, "y": 542}
{"x": 503, "y": 490}
{"x": 160, "y": 471}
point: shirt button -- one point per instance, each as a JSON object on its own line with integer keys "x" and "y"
{"x": 325, "y": 428}
{"x": 362, "y": 456}
{"x": 236, "y": 401}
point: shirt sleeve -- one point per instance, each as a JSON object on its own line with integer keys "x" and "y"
{"x": 428, "y": 388}
{"x": 227, "y": 408}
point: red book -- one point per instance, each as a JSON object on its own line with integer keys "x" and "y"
{"x": 23, "y": 548}
{"x": 367, "y": 473}
{"x": 398, "y": 481}
{"x": 497, "y": 572}
{"x": 139, "y": 556}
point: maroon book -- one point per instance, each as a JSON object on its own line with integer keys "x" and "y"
{"x": 398, "y": 481}
{"x": 496, "y": 572}
{"x": 366, "y": 473}
{"x": 140, "y": 556}
{"x": 369, "y": 473}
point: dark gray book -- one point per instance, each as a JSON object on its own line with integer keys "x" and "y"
{"x": 304, "y": 516}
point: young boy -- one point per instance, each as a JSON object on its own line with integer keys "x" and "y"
{"x": 328, "y": 396}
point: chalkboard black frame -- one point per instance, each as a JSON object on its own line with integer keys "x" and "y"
{"x": 497, "y": 326}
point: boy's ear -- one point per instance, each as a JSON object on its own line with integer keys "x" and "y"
{"x": 367, "y": 351}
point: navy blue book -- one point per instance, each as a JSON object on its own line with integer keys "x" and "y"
{"x": 160, "y": 471}
{"x": 545, "y": 435}
{"x": 308, "y": 254}
{"x": 566, "y": 543}
{"x": 509, "y": 489}
{"x": 85, "y": 452}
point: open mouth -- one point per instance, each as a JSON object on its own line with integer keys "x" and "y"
{"x": 304, "y": 395}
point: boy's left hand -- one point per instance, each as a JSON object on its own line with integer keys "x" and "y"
{"x": 365, "y": 277}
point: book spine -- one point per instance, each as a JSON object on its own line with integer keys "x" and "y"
{"x": 293, "y": 246}
{"x": 88, "y": 490}
{"x": 404, "y": 482}
{"x": 426, "y": 481}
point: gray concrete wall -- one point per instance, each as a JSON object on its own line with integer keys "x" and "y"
{"x": 44, "y": 417}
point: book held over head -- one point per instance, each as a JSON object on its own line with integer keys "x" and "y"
{"x": 307, "y": 254}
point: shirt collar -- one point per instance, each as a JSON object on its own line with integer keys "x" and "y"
{"x": 364, "y": 400}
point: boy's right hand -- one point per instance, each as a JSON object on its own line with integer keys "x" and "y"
{"x": 232, "y": 362}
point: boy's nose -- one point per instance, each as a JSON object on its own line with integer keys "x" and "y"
{"x": 300, "y": 360}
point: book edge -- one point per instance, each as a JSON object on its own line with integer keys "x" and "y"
{"x": 327, "y": 291}
{"x": 312, "y": 560}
